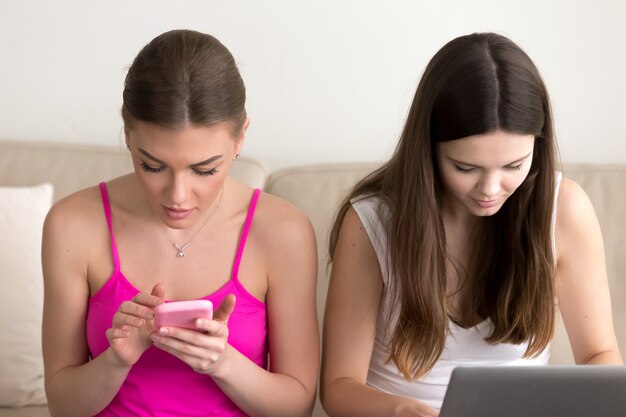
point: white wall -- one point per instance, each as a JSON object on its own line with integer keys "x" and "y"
{"x": 326, "y": 80}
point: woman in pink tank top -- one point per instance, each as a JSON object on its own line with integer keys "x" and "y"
{"x": 178, "y": 228}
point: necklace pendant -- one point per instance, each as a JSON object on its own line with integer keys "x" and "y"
{"x": 181, "y": 249}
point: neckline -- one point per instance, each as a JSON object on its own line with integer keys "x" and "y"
{"x": 234, "y": 276}
{"x": 243, "y": 237}
{"x": 121, "y": 277}
{"x": 480, "y": 324}
{"x": 215, "y": 294}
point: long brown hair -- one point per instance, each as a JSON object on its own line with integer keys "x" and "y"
{"x": 475, "y": 84}
{"x": 184, "y": 77}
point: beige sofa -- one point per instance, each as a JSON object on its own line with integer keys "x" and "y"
{"x": 314, "y": 189}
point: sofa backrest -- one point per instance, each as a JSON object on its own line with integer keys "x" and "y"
{"x": 70, "y": 168}
{"x": 317, "y": 190}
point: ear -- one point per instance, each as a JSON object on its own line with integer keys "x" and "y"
{"x": 242, "y": 137}
{"x": 126, "y": 138}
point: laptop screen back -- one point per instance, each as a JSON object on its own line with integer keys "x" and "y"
{"x": 536, "y": 391}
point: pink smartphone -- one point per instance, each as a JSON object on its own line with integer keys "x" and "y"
{"x": 183, "y": 313}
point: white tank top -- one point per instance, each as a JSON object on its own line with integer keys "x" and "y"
{"x": 462, "y": 346}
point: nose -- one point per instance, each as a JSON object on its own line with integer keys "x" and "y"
{"x": 489, "y": 185}
{"x": 179, "y": 189}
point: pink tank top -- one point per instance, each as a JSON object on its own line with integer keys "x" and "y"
{"x": 159, "y": 384}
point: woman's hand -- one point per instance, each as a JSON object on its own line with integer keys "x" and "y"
{"x": 132, "y": 325}
{"x": 204, "y": 350}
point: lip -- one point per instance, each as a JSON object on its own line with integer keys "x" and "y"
{"x": 177, "y": 214}
{"x": 486, "y": 203}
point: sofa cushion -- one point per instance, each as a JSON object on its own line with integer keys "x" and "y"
{"x": 318, "y": 190}
{"x": 22, "y": 212}
{"x": 28, "y": 411}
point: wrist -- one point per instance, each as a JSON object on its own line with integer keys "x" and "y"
{"x": 222, "y": 367}
{"x": 114, "y": 362}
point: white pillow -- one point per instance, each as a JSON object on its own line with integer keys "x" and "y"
{"x": 22, "y": 212}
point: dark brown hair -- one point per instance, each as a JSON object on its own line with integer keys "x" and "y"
{"x": 475, "y": 84}
{"x": 184, "y": 77}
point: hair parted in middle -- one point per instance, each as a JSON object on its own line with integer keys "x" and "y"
{"x": 475, "y": 84}
{"x": 184, "y": 77}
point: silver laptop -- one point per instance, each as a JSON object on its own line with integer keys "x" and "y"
{"x": 536, "y": 391}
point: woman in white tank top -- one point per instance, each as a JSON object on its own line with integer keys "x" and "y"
{"x": 460, "y": 248}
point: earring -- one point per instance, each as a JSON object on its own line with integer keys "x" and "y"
{"x": 127, "y": 147}
{"x": 237, "y": 156}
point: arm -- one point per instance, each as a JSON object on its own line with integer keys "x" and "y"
{"x": 349, "y": 328}
{"x": 75, "y": 386}
{"x": 288, "y": 389}
{"x": 582, "y": 285}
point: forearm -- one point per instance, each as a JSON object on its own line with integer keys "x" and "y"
{"x": 345, "y": 397}
{"x": 260, "y": 393}
{"x": 87, "y": 389}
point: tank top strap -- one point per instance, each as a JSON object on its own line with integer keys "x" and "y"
{"x": 244, "y": 233}
{"x": 109, "y": 218}
{"x": 558, "y": 178}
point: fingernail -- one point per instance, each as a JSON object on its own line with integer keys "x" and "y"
{"x": 163, "y": 330}
{"x": 154, "y": 337}
{"x": 199, "y": 323}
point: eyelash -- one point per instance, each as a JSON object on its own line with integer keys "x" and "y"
{"x": 205, "y": 173}
{"x": 464, "y": 171}
{"x": 148, "y": 168}
{"x": 467, "y": 171}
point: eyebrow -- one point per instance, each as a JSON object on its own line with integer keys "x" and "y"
{"x": 477, "y": 166}
{"x": 197, "y": 164}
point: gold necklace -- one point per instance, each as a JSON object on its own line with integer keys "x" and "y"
{"x": 181, "y": 248}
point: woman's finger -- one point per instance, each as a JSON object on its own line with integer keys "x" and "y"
{"x": 227, "y": 306}
{"x": 121, "y": 319}
{"x": 135, "y": 309}
{"x": 117, "y": 333}
{"x": 212, "y": 327}
{"x": 147, "y": 300}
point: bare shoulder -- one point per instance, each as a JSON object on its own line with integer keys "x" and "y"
{"x": 576, "y": 220}
{"x": 573, "y": 206}
{"x": 70, "y": 236}
{"x": 84, "y": 208}
{"x": 285, "y": 237}
{"x": 354, "y": 240}
{"x": 280, "y": 223}
{"x": 352, "y": 225}
{"x": 76, "y": 210}
{"x": 74, "y": 225}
